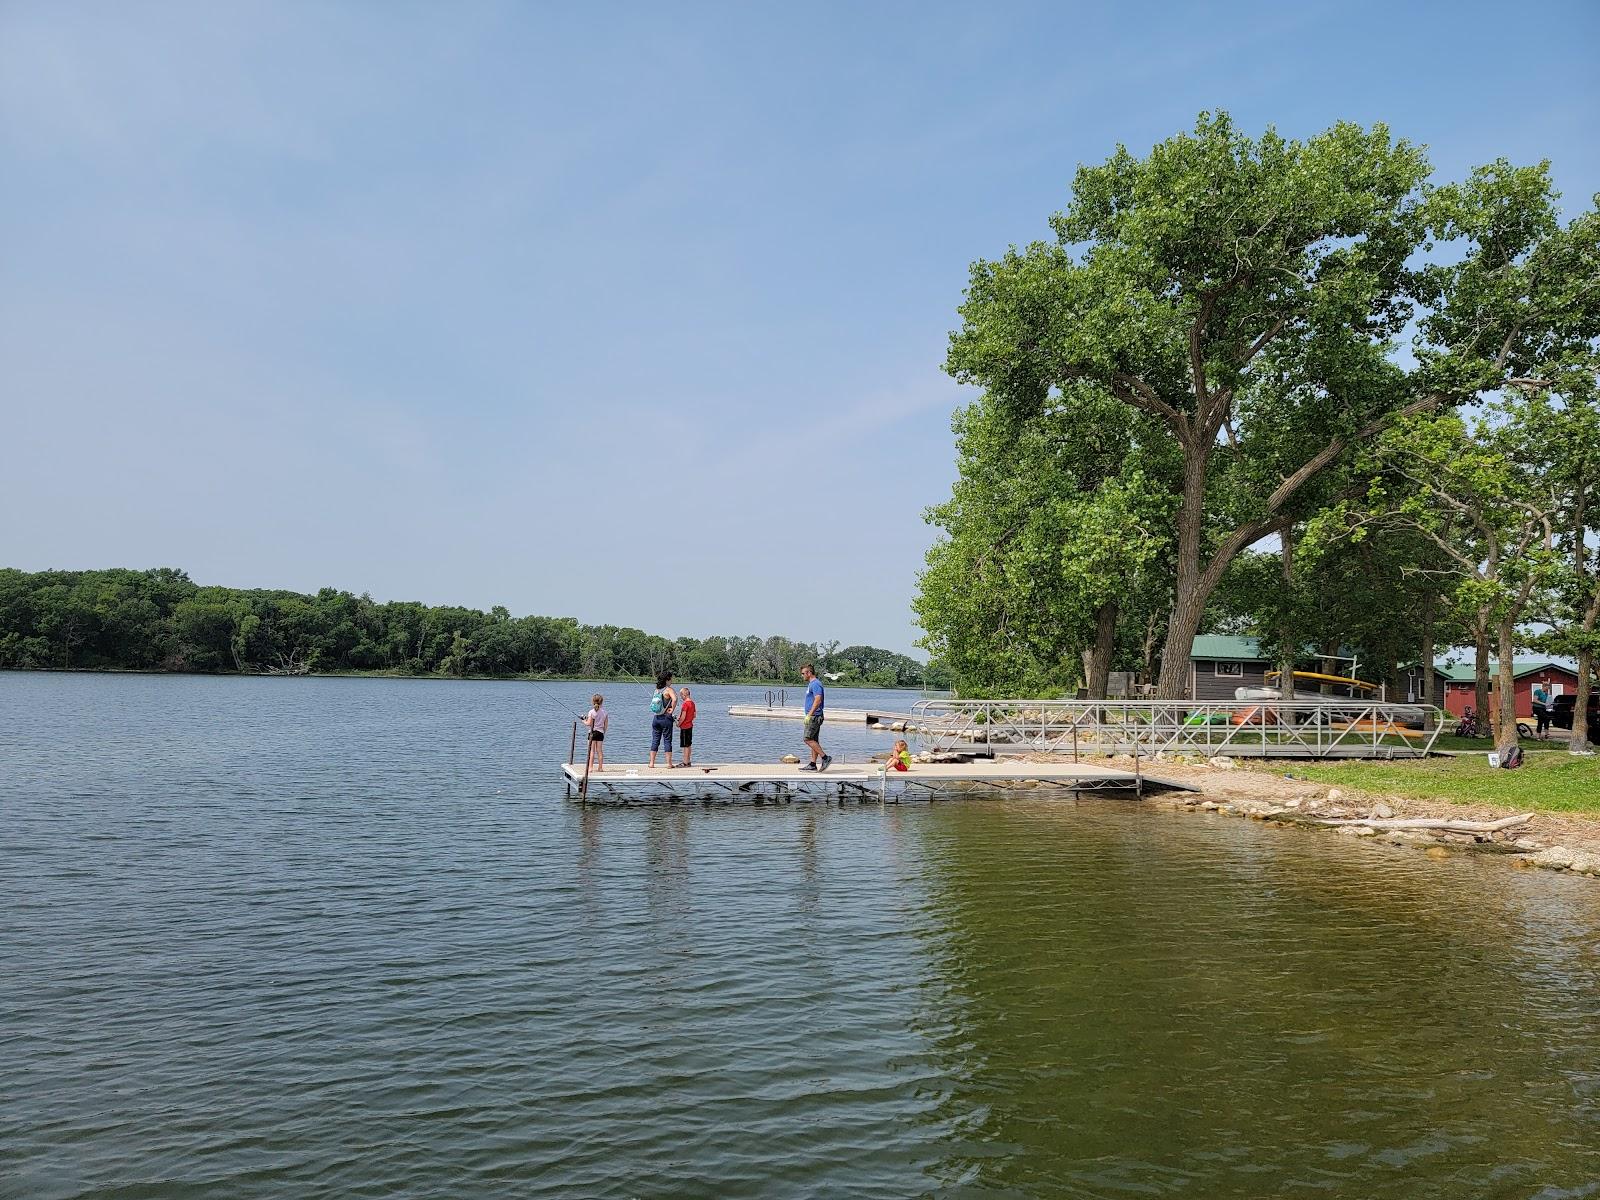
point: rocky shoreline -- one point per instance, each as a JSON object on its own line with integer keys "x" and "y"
{"x": 1551, "y": 841}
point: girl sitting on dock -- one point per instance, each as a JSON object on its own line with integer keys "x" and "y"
{"x": 900, "y": 756}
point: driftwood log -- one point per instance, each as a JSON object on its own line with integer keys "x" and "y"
{"x": 1429, "y": 823}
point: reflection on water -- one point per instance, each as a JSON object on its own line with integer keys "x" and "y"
{"x": 1139, "y": 1003}
{"x": 317, "y": 937}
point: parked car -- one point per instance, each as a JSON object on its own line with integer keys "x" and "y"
{"x": 1561, "y": 714}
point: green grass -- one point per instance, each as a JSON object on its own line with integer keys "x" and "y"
{"x": 1449, "y": 741}
{"x": 1551, "y": 782}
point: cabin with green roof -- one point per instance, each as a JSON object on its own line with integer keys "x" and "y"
{"x": 1221, "y": 662}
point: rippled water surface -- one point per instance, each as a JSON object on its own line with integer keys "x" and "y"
{"x": 269, "y": 937}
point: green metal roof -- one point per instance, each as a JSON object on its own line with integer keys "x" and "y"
{"x": 1465, "y": 672}
{"x": 1222, "y": 645}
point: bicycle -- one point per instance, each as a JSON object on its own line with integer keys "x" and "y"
{"x": 1471, "y": 726}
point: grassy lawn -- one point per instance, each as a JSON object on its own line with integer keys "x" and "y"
{"x": 1552, "y": 782}
{"x": 1448, "y": 741}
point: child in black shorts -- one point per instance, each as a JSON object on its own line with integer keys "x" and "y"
{"x": 597, "y": 718}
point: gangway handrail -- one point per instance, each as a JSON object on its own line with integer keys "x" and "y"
{"x": 1334, "y": 727}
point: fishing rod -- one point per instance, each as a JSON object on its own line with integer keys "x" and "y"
{"x": 563, "y": 704}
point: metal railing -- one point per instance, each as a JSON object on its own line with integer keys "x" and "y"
{"x": 1262, "y": 729}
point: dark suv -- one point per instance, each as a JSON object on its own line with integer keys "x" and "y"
{"x": 1561, "y": 713}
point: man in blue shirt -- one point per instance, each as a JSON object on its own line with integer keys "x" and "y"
{"x": 813, "y": 710}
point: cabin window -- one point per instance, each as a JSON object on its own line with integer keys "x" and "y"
{"x": 1235, "y": 669}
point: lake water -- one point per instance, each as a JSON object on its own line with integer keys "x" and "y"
{"x": 307, "y": 937}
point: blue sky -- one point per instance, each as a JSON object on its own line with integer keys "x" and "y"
{"x": 629, "y": 312}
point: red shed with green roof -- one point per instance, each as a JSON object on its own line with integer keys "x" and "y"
{"x": 1459, "y": 682}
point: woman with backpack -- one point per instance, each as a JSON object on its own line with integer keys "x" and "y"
{"x": 661, "y": 709}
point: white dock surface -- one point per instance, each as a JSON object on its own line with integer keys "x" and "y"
{"x": 792, "y": 712}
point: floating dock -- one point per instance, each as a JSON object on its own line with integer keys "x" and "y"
{"x": 836, "y": 716}
{"x": 759, "y": 783}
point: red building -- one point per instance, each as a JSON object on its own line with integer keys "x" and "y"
{"x": 1458, "y": 684}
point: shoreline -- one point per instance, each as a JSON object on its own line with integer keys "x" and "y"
{"x": 1555, "y": 841}
{"x": 640, "y": 679}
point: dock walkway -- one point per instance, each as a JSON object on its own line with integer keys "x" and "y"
{"x": 635, "y": 783}
{"x": 873, "y": 719}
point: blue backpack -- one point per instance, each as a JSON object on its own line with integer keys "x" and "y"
{"x": 658, "y": 703}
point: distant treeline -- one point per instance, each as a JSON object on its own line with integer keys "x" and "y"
{"x": 161, "y": 620}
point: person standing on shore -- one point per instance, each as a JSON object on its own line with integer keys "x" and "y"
{"x": 686, "y": 725}
{"x": 597, "y": 718}
{"x": 813, "y": 710}
{"x": 661, "y": 706}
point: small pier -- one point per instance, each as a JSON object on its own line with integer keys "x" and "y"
{"x": 759, "y": 783}
{"x": 887, "y": 721}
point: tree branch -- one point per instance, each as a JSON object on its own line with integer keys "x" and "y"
{"x": 1260, "y": 344}
{"x": 1335, "y": 447}
{"x": 1140, "y": 394}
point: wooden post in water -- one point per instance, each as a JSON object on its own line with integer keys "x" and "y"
{"x": 572, "y": 755}
{"x": 583, "y": 789}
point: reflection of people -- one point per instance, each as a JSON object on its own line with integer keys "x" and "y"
{"x": 661, "y": 706}
{"x": 900, "y": 759}
{"x": 597, "y": 718}
{"x": 686, "y": 725}
{"x": 813, "y": 710}
{"x": 1541, "y": 712}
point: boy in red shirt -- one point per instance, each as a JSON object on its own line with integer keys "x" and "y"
{"x": 686, "y": 724}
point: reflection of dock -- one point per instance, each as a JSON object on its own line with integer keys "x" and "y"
{"x": 627, "y": 783}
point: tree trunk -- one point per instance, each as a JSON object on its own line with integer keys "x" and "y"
{"x": 1579, "y": 741}
{"x": 1152, "y": 626}
{"x": 1286, "y": 633}
{"x": 1097, "y": 658}
{"x": 1481, "y": 671}
{"x": 1425, "y": 666}
{"x": 1184, "y": 623}
{"x": 1505, "y": 734}
{"x": 1189, "y": 596}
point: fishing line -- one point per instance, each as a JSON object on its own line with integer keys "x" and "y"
{"x": 559, "y": 702}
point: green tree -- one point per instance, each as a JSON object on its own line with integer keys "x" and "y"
{"x": 1246, "y": 296}
{"x": 1053, "y": 530}
{"x": 1175, "y": 281}
{"x": 1572, "y": 428}
{"x": 1478, "y": 488}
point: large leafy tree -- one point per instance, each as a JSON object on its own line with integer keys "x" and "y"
{"x": 1572, "y": 427}
{"x": 1481, "y": 491}
{"x": 1055, "y": 530}
{"x": 1176, "y": 281}
{"x": 1247, "y": 294}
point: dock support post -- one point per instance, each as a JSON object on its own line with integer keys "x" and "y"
{"x": 572, "y": 755}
